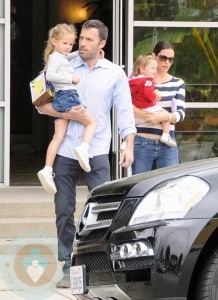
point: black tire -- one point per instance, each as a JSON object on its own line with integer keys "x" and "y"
{"x": 207, "y": 282}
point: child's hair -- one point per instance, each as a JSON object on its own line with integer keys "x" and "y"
{"x": 141, "y": 61}
{"x": 57, "y": 32}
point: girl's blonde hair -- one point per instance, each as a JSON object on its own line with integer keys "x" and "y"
{"x": 141, "y": 61}
{"x": 57, "y": 32}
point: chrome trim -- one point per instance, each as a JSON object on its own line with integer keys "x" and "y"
{"x": 89, "y": 218}
{"x": 102, "y": 207}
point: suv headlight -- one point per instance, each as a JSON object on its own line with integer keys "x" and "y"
{"x": 171, "y": 201}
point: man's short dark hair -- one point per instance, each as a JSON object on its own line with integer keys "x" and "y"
{"x": 102, "y": 28}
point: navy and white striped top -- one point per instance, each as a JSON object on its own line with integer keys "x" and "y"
{"x": 173, "y": 100}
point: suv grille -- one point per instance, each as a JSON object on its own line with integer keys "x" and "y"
{"x": 90, "y": 260}
{"x": 97, "y": 216}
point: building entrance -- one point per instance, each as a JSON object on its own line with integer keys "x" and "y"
{"x": 30, "y": 22}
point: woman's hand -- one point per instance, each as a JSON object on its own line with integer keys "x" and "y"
{"x": 156, "y": 117}
{"x": 151, "y": 117}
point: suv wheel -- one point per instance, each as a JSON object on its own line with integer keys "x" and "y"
{"x": 207, "y": 283}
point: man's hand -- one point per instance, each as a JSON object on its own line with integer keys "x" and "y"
{"x": 127, "y": 155}
{"x": 126, "y": 158}
{"x": 77, "y": 113}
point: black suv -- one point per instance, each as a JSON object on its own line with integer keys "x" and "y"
{"x": 150, "y": 236}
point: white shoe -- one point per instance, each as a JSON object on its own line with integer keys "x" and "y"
{"x": 47, "y": 181}
{"x": 166, "y": 139}
{"x": 83, "y": 158}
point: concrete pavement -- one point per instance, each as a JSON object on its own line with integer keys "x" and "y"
{"x": 29, "y": 269}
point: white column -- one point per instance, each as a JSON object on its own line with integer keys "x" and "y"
{"x": 5, "y": 38}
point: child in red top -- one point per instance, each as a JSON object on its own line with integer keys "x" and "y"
{"x": 144, "y": 94}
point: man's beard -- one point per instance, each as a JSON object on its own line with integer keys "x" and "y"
{"x": 88, "y": 55}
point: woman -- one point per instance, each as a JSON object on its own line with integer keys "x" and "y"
{"x": 149, "y": 151}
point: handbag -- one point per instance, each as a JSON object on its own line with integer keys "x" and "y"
{"x": 42, "y": 91}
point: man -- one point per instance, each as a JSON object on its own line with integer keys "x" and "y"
{"x": 102, "y": 85}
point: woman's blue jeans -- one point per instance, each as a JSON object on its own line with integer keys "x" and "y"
{"x": 152, "y": 154}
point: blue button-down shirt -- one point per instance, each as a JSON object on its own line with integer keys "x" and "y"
{"x": 100, "y": 88}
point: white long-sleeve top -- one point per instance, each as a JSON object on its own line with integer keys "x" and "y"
{"x": 60, "y": 71}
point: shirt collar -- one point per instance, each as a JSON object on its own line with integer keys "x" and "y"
{"x": 101, "y": 63}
